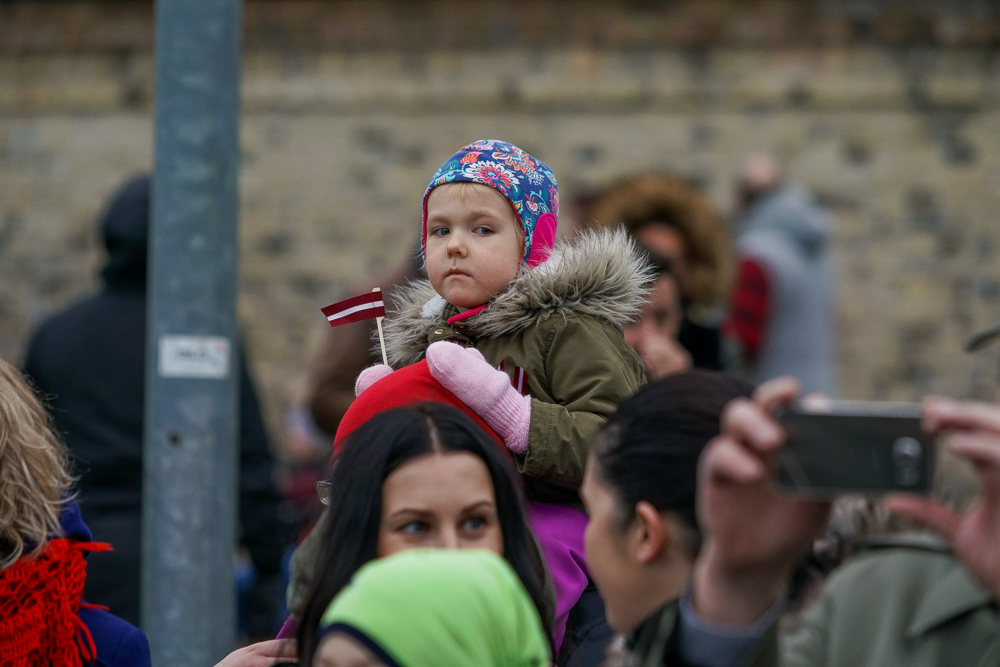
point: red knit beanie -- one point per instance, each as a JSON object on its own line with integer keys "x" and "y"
{"x": 407, "y": 387}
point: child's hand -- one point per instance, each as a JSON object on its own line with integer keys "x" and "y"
{"x": 370, "y": 376}
{"x": 486, "y": 390}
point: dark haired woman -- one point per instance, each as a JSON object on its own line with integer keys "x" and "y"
{"x": 639, "y": 490}
{"x": 419, "y": 477}
{"x": 676, "y": 223}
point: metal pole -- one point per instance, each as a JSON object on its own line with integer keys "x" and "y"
{"x": 190, "y": 454}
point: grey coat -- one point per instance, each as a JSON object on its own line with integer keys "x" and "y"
{"x": 787, "y": 233}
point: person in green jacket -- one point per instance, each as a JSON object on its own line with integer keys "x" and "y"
{"x": 906, "y": 600}
{"x": 433, "y": 607}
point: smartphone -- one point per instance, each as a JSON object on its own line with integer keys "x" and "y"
{"x": 854, "y": 447}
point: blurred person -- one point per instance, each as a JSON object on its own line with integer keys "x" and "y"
{"x": 433, "y": 607}
{"x": 643, "y": 535}
{"x": 421, "y": 477}
{"x": 88, "y": 364}
{"x": 913, "y": 600}
{"x": 43, "y": 542}
{"x": 654, "y": 335}
{"x": 781, "y": 315}
{"x": 307, "y": 461}
{"x": 677, "y": 226}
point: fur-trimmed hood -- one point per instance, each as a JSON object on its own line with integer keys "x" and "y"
{"x": 600, "y": 274}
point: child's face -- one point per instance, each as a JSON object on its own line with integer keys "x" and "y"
{"x": 473, "y": 250}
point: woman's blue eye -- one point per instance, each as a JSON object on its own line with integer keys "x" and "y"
{"x": 483, "y": 230}
{"x": 414, "y": 528}
{"x": 439, "y": 231}
{"x": 474, "y": 524}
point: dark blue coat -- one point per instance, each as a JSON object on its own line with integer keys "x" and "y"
{"x": 119, "y": 644}
{"x": 87, "y": 362}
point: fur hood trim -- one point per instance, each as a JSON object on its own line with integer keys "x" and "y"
{"x": 601, "y": 274}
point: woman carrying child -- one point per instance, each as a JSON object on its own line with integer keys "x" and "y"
{"x": 418, "y": 477}
{"x": 528, "y": 334}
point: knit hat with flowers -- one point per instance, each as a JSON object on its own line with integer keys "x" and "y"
{"x": 528, "y": 184}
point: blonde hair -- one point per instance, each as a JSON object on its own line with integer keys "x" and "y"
{"x": 34, "y": 478}
{"x": 465, "y": 188}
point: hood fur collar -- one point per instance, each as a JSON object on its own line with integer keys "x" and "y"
{"x": 601, "y": 274}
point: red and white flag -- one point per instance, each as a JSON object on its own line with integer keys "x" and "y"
{"x": 355, "y": 309}
{"x": 518, "y": 379}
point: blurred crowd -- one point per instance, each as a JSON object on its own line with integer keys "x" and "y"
{"x": 568, "y": 459}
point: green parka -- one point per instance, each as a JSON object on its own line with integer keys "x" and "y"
{"x": 903, "y": 600}
{"x": 560, "y": 322}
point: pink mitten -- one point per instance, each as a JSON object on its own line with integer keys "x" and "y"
{"x": 487, "y": 391}
{"x": 370, "y": 376}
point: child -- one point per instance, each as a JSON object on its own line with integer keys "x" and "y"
{"x": 526, "y": 333}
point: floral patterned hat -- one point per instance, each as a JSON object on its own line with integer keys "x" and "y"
{"x": 528, "y": 184}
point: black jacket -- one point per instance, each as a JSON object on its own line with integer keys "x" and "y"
{"x": 87, "y": 363}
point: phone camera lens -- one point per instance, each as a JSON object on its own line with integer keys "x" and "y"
{"x": 907, "y": 453}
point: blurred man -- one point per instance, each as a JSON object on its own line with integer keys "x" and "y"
{"x": 87, "y": 363}
{"x": 781, "y": 311}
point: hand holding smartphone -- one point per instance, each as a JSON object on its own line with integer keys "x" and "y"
{"x": 854, "y": 447}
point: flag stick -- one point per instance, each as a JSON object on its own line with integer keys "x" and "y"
{"x": 381, "y": 339}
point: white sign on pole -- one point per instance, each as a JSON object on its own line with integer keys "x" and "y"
{"x": 205, "y": 357}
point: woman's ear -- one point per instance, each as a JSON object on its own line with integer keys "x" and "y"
{"x": 653, "y": 533}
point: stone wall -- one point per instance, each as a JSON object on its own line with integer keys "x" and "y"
{"x": 888, "y": 111}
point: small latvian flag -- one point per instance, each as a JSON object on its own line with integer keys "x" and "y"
{"x": 355, "y": 309}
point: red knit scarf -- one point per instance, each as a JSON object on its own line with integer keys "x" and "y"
{"x": 40, "y": 600}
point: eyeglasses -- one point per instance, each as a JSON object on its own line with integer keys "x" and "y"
{"x": 323, "y": 491}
